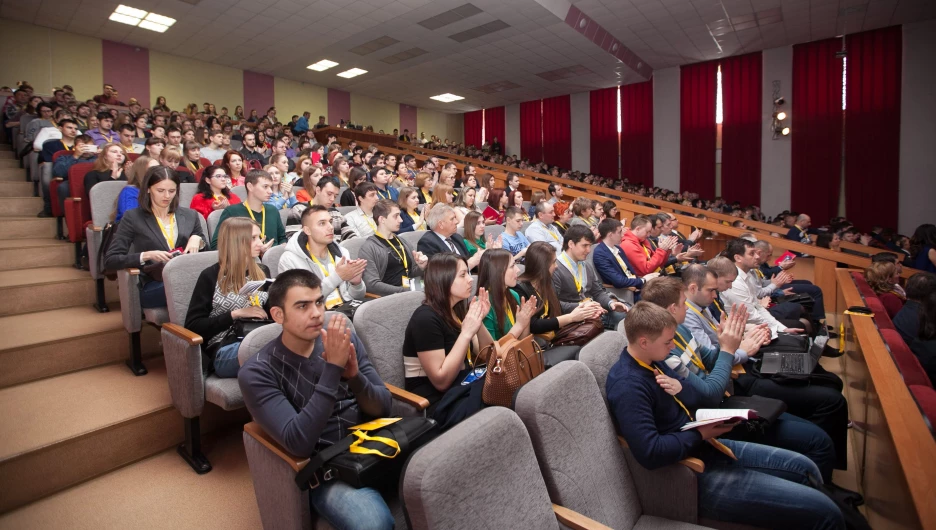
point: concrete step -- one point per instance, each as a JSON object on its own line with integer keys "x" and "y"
{"x": 20, "y": 206}
{"x": 7, "y": 155}
{"x": 6, "y": 147}
{"x": 16, "y": 188}
{"x": 30, "y": 290}
{"x": 17, "y": 254}
{"x": 59, "y": 341}
{"x": 12, "y": 174}
{"x": 64, "y": 430}
{"x": 5, "y": 163}
{"x": 27, "y": 227}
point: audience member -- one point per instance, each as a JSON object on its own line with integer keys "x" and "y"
{"x": 641, "y": 253}
{"x": 129, "y": 196}
{"x": 303, "y": 387}
{"x": 213, "y": 192}
{"x": 259, "y": 188}
{"x": 356, "y": 177}
{"x": 281, "y": 196}
{"x": 576, "y": 281}
{"x": 443, "y": 237}
{"x": 413, "y": 218}
{"x": 563, "y": 215}
{"x": 361, "y": 220}
{"x": 513, "y": 239}
{"x": 464, "y": 203}
{"x": 392, "y": 266}
{"x": 159, "y": 213}
{"x": 216, "y": 300}
{"x": 508, "y": 313}
{"x": 496, "y": 208}
{"x": 108, "y": 167}
{"x": 313, "y": 248}
{"x": 103, "y": 134}
{"x": 790, "y": 286}
{"x": 907, "y": 320}
{"x": 882, "y": 276}
{"x": 542, "y": 228}
{"x": 611, "y": 265}
{"x": 923, "y": 248}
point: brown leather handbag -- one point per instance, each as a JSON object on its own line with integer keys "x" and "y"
{"x": 511, "y": 363}
{"x": 578, "y": 333}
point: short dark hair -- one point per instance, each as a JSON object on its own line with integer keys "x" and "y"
{"x": 884, "y": 256}
{"x": 607, "y": 226}
{"x": 104, "y": 115}
{"x": 920, "y": 286}
{"x": 512, "y": 211}
{"x": 311, "y": 210}
{"x": 663, "y": 291}
{"x": 324, "y": 181}
{"x": 737, "y": 247}
{"x": 383, "y": 209}
{"x": 647, "y": 320}
{"x": 256, "y": 174}
{"x": 126, "y": 127}
{"x": 552, "y": 188}
{"x": 697, "y": 274}
{"x": 65, "y": 121}
{"x": 286, "y": 280}
{"x": 362, "y": 189}
{"x": 576, "y": 233}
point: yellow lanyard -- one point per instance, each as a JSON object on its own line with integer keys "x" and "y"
{"x": 254, "y": 219}
{"x": 575, "y": 275}
{"x": 319, "y": 263}
{"x": 560, "y": 225}
{"x": 719, "y": 305}
{"x": 759, "y": 273}
{"x": 400, "y": 253}
{"x": 623, "y": 265}
{"x": 416, "y": 222}
{"x": 703, "y": 315}
{"x": 370, "y": 223}
{"x": 170, "y": 232}
{"x": 510, "y": 316}
{"x": 684, "y": 345}
{"x": 379, "y": 194}
{"x": 426, "y": 196}
{"x": 66, "y": 148}
{"x": 715, "y": 443}
{"x": 548, "y": 231}
{"x": 647, "y": 253}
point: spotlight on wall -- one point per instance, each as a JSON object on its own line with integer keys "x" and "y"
{"x": 780, "y": 116}
{"x": 781, "y": 131}
{"x": 777, "y": 128}
{"x": 779, "y": 101}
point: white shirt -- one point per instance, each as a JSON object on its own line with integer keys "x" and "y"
{"x": 744, "y": 292}
{"x": 537, "y": 231}
{"x": 44, "y": 134}
{"x": 362, "y": 224}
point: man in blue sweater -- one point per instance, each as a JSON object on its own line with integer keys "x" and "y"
{"x": 309, "y": 385}
{"x": 707, "y": 369}
{"x": 761, "y": 486}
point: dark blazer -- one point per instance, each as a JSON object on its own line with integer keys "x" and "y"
{"x": 430, "y": 244}
{"x": 138, "y": 231}
{"x": 564, "y": 284}
{"x": 610, "y": 271}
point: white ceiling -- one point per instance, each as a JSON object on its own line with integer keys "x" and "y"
{"x": 282, "y": 37}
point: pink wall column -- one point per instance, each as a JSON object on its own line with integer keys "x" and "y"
{"x": 339, "y": 106}
{"x": 258, "y": 94}
{"x": 408, "y": 119}
{"x": 127, "y": 68}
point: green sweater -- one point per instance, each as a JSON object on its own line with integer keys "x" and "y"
{"x": 474, "y": 246}
{"x": 490, "y": 321}
{"x": 274, "y": 228}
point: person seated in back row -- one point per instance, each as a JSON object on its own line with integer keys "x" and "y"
{"x": 302, "y": 387}
{"x": 259, "y": 188}
{"x": 650, "y": 404}
{"x": 392, "y": 266}
{"x": 611, "y": 263}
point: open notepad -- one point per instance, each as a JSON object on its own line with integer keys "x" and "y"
{"x": 253, "y": 286}
{"x": 709, "y": 416}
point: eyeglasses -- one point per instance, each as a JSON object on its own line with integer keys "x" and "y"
{"x": 220, "y": 175}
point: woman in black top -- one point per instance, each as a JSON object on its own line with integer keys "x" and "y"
{"x": 155, "y": 230}
{"x": 358, "y": 177}
{"x": 536, "y": 280}
{"x": 107, "y": 167}
{"x": 446, "y": 330}
{"x": 215, "y": 300}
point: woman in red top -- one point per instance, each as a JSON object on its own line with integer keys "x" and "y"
{"x": 882, "y": 277}
{"x": 213, "y": 192}
{"x": 233, "y": 164}
{"x": 496, "y": 208}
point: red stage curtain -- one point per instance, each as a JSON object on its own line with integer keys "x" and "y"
{"x": 872, "y": 127}
{"x": 557, "y": 131}
{"x": 604, "y": 133}
{"x": 697, "y": 132}
{"x": 495, "y": 126}
{"x": 817, "y": 129}
{"x": 637, "y": 133}
{"x": 531, "y": 130}
{"x": 473, "y": 123}
{"x": 741, "y": 128}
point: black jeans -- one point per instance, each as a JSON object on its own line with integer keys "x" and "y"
{"x": 821, "y": 404}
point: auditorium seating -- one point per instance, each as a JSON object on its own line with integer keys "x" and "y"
{"x": 102, "y": 197}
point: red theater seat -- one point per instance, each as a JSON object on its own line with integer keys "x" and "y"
{"x": 926, "y": 398}
{"x": 906, "y": 361}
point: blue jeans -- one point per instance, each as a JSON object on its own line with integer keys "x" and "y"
{"x": 612, "y": 318}
{"x": 348, "y": 508}
{"x": 807, "y": 287}
{"x": 225, "y": 360}
{"x": 152, "y": 295}
{"x": 765, "y": 487}
{"x": 797, "y": 435}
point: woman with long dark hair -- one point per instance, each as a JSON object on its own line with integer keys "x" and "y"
{"x": 509, "y": 313}
{"x": 356, "y": 177}
{"x": 923, "y": 248}
{"x": 496, "y": 208}
{"x": 446, "y": 331}
{"x": 213, "y": 192}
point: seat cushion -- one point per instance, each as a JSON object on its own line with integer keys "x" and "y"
{"x": 649, "y": 522}
{"x": 156, "y": 315}
{"x": 224, "y": 392}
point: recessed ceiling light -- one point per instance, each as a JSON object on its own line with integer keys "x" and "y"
{"x": 354, "y": 72}
{"x": 446, "y": 98}
{"x": 322, "y": 65}
{"x": 141, "y": 19}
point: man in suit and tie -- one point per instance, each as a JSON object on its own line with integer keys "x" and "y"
{"x": 442, "y": 236}
{"x": 611, "y": 263}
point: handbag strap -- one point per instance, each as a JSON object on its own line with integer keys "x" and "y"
{"x": 306, "y": 474}
{"x": 357, "y": 448}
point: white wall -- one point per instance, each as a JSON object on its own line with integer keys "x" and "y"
{"x": 917, "y": 183}
{"x": 666, "y": 128}
{"x": 776, "y": 159}
{"x": 581, "y": 131}
{"x": 512, "y": 130}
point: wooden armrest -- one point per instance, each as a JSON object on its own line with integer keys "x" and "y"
{"x": 58, "y": 179}
{"x": 575, "y": 520}
{"x": 133, "y": 272}
{"x": 257, "y": 433}
{"x": 372, "y": 295}
{"x": 97, "y": 228}
{"x": 405, "y": 396}
{"x": 192, "y": 338}
{"x": 75, "y": 199}
{"x": 692, "y": 463}
{"x": 738, "y": 370}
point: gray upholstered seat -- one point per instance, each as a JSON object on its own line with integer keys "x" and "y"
{"x": 345, "y": 210}
{"x": 213, "y": 219}
{"x": 493, "y": 231}
{"x": 381, "y": 326}
{"x": 240, "y": 191}
{"x": 103, "y": 197}
{"x": 482, "y": 473}
{"x": 255, "y": 340}
{"x": 354, "y": 245}
{"x": 412, "y": 238}
{"x": 481, "y": 206}
{"x": 600, "y": 354}
{"x": 188, "y": 386}
{"x": 271, "y": 259}
{"x": 584, "y": 465}
{"x": 186, "y": 192}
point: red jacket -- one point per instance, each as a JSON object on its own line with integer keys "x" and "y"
{"x": 634, "y": 250}
{"x": 203, "y": 206}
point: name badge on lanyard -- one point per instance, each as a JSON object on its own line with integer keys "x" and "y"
{"x": 334, "y": 299}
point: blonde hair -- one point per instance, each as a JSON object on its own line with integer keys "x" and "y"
{"x": 234, "y": 239}
{"x": 880, "y": 275}
{"x": 137, "y": 170}
{"x": 421, "y": 178}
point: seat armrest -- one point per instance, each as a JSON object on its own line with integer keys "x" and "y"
{"x": 575, "y": 520}
{"x": 133, "y": 272}
{"x": 692, "y": 463}
{"x": 410, "y": 398}
{"x": 192, "y": 338}
{"x": 372, "y": 295}
{"x": 257, "y": 433}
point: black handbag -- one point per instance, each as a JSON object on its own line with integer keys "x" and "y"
{"x": 241, "y": 328}
{"x": 768, "y": 409}
{"x": 337, "y": 462}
